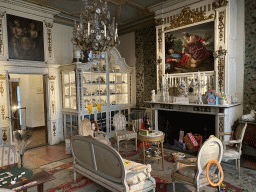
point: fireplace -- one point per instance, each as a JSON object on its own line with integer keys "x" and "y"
{"x": 171, "y": 122}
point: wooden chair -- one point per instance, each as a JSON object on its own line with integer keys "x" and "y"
{"x": 235, "y": 152}
{"x": 193, "y": 171}
{"x": 8, "y": 156}
{"x": 121, "y": 134}
{"x": 86, "y": 130}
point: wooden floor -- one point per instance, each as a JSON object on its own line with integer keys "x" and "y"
{"x": 38, "y": 137}
{"x": 37, "y": 157}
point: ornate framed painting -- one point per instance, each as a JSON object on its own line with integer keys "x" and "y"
{"x": 190, "y": 49}
{"x": 25, "y": 38}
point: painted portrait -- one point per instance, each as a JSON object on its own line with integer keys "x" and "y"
{"x": 190, "y": 49}
{"x": 25, "y": 38}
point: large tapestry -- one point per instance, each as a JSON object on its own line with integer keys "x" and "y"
{"x": 250, "y": 57}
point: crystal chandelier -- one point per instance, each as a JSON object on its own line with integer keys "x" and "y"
{"x": 96, "y": 31}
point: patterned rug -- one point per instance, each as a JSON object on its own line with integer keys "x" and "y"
{"x": 63, "y": 172}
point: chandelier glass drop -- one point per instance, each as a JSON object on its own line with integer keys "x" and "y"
{"x": 96, "y": 31}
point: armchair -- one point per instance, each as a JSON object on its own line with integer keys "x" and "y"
{"x": 119, "y": 122}
{"x": 193, "y": 171}
{"x": 8, "y": 156}
{"x": 235, "y": 152}
{"x": 87, "y": 130}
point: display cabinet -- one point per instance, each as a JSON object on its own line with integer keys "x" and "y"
{"x": 106, "y": 81}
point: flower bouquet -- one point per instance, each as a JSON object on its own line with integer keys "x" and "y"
{"x": 22, "y": 139}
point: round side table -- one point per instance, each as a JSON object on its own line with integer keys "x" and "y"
{"x": 159, "y": 139}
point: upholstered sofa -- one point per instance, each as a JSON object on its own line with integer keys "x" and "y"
{"x": 104, "y": 165}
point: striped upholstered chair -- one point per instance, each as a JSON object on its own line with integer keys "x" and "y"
{"x": 8, "y": 156}
{"x": 119, "y": 122}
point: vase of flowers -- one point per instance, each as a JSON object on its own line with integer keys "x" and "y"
{"x": 22, "y": 139}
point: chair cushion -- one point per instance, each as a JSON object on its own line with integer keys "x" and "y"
{"x": 119, "y": 121}
{"x": 143, "y": 185}
{"x": 125, "y": 135}
{"x": 231, "y": 153}
{"x": 103, "y": 140}
{"x": 187, "y": 170}
{"x": 133, "y": 178}
{"x": 137, "y": 172}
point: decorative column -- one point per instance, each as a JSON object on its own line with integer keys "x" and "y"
{"x": 4, "y": 122}
{"x": 2, "y": 16}
{"x": 53, "y": 120}
{"x": 49, "y": 58}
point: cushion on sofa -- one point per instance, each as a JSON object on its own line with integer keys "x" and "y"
{"x": 133, "y": 178}
{"x": 141, "y": 185}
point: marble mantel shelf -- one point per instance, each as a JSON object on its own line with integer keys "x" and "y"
{"x": 220, "y": 111}
{"x": 194, "y": 104}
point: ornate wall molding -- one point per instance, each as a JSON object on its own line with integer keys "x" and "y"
{"x": 1, "y": 34}
{"x": 49, "y": 34}
{"x": 220, "y": 54}
{"x": 52, "y": 77}
{"x": 80, "y": 80}
{"x": 221, "y": 73}
{"x": 187, "y": 17}
{"x": 221, "y": 128}
{"x": 159, "y": 40}
{"x": 160, "y": 76}
{"x": 54, "y": 128}
{"x": 221, "y": 25}
{"x": 1, "y": 89}
{"x": 52, "y": 87}
{"x": 3, "y": 111}
{"x": 53, "y": 107}
{"x": 219, "y": 3}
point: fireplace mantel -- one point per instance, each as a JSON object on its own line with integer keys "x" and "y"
{"x": 220, "y": 112}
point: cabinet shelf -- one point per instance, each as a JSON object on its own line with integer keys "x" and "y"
{"x": 81, "y": 86}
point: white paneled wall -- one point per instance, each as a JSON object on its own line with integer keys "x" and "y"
{"x": 62, "y": 45}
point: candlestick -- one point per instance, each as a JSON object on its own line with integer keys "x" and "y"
{"x": 204, "y": 78}
{"x": 105, "y": 31}
{"x": 88, "y": 28}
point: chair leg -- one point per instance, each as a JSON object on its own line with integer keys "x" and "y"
{"x": 74, "y": 177}
{"x": 219, "y": 188}
{"x": 238, "y": 162}
{"x": 118, "y": 146}
{"x": 136, "y": 143}
{"x": 173, "y": 186}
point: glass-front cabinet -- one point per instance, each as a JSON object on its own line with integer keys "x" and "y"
{"x": 103, "y": 84}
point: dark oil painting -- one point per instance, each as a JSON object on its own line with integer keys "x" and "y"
{"x": 25, "y": 38}
{"x": 190, "y": 49}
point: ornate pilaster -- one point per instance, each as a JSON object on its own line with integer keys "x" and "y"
{"x": 159, "y": 40}
{"x": 221, "y": 26}
{"x": 3, "y": 101}
{"x": 52, "y": 94}
{"x": 220, "y": 55}
{"x": 1, "y": 34}
{"x": 80, "y": 90}
{"x": 49, "y": 41}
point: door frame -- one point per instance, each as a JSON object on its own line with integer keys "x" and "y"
{"x": 46, "y": 100}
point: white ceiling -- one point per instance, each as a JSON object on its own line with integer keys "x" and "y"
{"x": 127, "y": 12}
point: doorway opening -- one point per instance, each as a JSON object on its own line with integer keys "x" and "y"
{"x": 28, "y": 106}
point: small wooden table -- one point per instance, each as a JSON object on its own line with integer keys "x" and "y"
{"x": 159, "y": 139}
{"x": 38, "y": 179}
